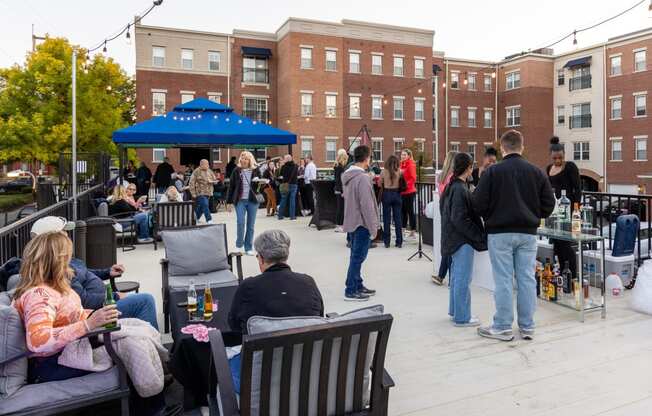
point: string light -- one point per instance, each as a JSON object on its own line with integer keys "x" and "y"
{"x": 104, "y": 48}
{"x": 287, "y": 121}
{"x": 575, "y": 37}
{"x": 128, "y": 34}
{"x": 269, "y": 122}
{"x": 419, "y": 90}
{"x": 493, "y": 75}
{"x": 108, "y": 88}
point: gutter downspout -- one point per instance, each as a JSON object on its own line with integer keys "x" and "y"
{"x": 496, "y": 113}
{"x": 446, "y": 86}
{"x": 604, "y": 118}
{"x": 228, "y": 84}
{"x": 436, "y": 117}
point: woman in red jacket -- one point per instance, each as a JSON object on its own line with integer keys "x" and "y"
{"x": 409, "y": 171}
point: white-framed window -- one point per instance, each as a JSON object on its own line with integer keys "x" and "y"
{"x": 306, "y": 104}
{"x": 158, "y": 56}
{"x": 255, "y": 108}
{"x": 455, "y": 147}
{"x": 331, "y": 148}
{"x": 616, "y": 108}
{"x": 377, "y": 108}
{"x": 561, "y": 114}
{"x": 455, "y": 80}
{"x": 306, "y": 146}
{"x": 419, "y": 71}
{"x": 615, "y": 67}
{"x": 354, "y": 106}
{"x": 217, "y": 154}
{"x": 354, "y": 62}
{"x": 398, "y": 66}
{"x": 471, "y": 151}
{"x": 398, "y": 108}
{"x": 616, "y": 150}
{"x": 580, "y": 116}
{"x": 216, "y": 98}
{"x": 353, "y": 143}
{"x": 581, "y": 151}
{"x": 255, "y": 70}
{"x": 487, "y": 82}
{"x": 421, "y": 144}
{"x": 640, "y": 105}
{"x": 187, "y": 96}
{"x": 187, "y": 56}
{"x": 513, "y": 80}
{"x": 376, "y": 64}
{"x": 158, "y": 155}
{"x": 513, "y": 116}
{"x": 471, "y": 117}
{"x": 561, "y": 77}
{"x": 455, "y": 116}
{"x": 214, "y": 60}
{"x": 306, "y": 58}
{"x": 331, "y": 60}
{"x": 158, "y": 103}
{"x": 471, "y": 81}
{"x": 488, "y": 118}
{"x": 398, "y": 146}
{"x": 640, "y": 60}
{"x": 377, "y": 148}
{"x": 331, "y": 105}
{"x": 641, "y": 148}
{"x": 419, "y": 109}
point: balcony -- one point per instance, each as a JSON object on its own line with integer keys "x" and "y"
{"x": 259, "y": 116}
{"x": 579, "y": 83}
{"x": 580, "y": 122}
{"x": 255, "y": 76}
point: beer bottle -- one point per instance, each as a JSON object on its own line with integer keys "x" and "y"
{"x": 109, "y": 301}
{"x": 192, "y": 300}
{"x": 208, "y": 302}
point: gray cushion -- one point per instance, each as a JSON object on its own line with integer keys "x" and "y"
{"x": 103, "y": 209}
{"x": 55, "y": 392}
{"x": 196, "y": 250}
{"x": 259, "y": 324}
{"x": 13, "y": 282}
{"x": 13, "y": 375}
{"x": 5, "y": 297}
{"x": 219, "y": 278}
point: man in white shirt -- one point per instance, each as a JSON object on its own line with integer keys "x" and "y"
{"x": 309, "y": 175}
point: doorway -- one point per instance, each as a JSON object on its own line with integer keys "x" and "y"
{"x": 192, "y": 155}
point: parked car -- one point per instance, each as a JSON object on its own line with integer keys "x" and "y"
{"x": 16, "y": 185}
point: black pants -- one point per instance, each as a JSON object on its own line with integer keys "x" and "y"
{"x": 308, "y": 198}
{"x": 339, "y": 210}
{"x": 565, "y": 250}
{"x": 408, "y": 212}
{"x": 444, "y": 265}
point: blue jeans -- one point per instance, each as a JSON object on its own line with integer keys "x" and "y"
{"x": 392, "y": 211}
{"x": 459, "y": 304}
{"x": 201, "y": 208}
{"x": 513, "y": 255}
{"x": 141, "y": 220}
{"x": 138, "y": 305}
{"x": 359, "y": 250}
{"x": 292, "y": 195}
{"x": 248, "y": 208}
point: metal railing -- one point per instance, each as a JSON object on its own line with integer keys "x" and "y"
{"x": 254, "y": 75}
{"x": 580, "y": 122}
{"x": 579, "y": 83}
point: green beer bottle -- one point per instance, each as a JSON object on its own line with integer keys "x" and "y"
{"x": 109, "y": 301}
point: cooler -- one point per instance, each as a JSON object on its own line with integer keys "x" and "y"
{"x": 623, "y": 266}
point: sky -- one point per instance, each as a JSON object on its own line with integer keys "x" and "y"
{"x": 472, "y": 29}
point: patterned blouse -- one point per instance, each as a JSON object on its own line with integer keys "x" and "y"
{"x": 51, "y": 319}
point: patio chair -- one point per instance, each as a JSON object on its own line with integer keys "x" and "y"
{"x": 199, "y": 254}
{"x": 171, "y": 215}
{"x": 299, "y": 366}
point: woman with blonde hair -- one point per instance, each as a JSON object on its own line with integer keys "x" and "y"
{"x": 443, "y": 180}
{"x": 242, "y": 194}
{"x": 340, "y": 166}
{"x": 120, "y": 205}
{"x": 171, "y": 195}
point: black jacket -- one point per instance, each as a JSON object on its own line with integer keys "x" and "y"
{"x": 163, "y": 175}
{"x": 289, "y": 173}
{"x": 277, "y": 292}
{"x": 235, "y": 187}
{"x": 569, "y": 180}
{"x": 513, "y": 196}
{"x": 338, "y": 171}
{"x": 459, "y": 223}
{"x": 121, "y": 207}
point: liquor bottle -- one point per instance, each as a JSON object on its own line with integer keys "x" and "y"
{"x": 576, "y": 225}
{"x": 109, "y": 300}
{"x": 556, "y": 267}
{"x": 192, "y": 300}
{"x": 564, "y": 207}
{"x": 576, "y": 293}
{"x": 552, "y": 285}
{"x": 208, "y": 303}
{"x": 546, "y": 279}
{"x": 566, "y": 278}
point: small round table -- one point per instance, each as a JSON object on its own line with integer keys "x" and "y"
{"x": 126, "y": 287}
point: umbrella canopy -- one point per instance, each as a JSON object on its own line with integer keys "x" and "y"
{"x": 202, "y": 122}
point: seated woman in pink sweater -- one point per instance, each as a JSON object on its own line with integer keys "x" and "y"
{"x": 50, "y": 309}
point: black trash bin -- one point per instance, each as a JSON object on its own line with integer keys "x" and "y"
{"x": 80, "y": 240}
{"x": 101, "y": 243}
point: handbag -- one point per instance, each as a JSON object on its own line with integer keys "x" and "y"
{"x": 402, "y": 183}
{"x": 284, "y": 188}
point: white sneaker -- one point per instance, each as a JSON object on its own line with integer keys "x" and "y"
{"x": 145, "y": 240}
{"x": 238, "y": 250}
{"x": 339, "y": 229}
{"x": 250, "y": 253}
{"x": 474, "y": 321}
{"x": 210, "y": 222}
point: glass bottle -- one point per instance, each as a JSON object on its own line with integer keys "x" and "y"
{"x": 109, "y": 300}
{"x": 566, "y": 277}
{"x": 208, "y": 302}
{"x": 576, "y": 225}
{"x": 546, "y": 279}
{"x": 192, "y": 300}
{"x": 564, "y": 207}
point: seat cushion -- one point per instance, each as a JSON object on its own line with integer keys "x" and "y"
{"x": 13, "y": 375}
{"x": 57, "y": 392}
{"x": 219, "y": 278}
{"x": 196, "y": 250}
{"x": 13, "y": 282}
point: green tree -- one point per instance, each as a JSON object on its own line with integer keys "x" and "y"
{"x": 36, "y": 103}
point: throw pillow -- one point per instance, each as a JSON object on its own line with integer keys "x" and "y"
{"x": 13, "y": 375}
{"x": 196, "y": 250}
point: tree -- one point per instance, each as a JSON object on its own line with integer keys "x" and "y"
{"x": 36, "y": 103}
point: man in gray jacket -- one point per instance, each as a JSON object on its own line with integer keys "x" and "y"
{"x": 360, "y": 220}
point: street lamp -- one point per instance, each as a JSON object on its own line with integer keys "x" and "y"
{"x": 18, "y": 173}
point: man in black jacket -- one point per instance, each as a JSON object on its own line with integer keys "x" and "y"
{"x": 163, "y": 176}
{"x": 512, "y": 197}
{"x": 289, "y": 186}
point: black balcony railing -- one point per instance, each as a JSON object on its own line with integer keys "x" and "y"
{"x": 579, "y": 83}
{"x": 580, "y": 122}
{"x": 255, "y": 75}
{"x": 260, "y": 116}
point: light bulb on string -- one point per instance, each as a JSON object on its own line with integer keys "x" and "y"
{"x": 493, "y": 75}
{"x": 287, "y": 121}
{"x": 128, "y": 36}
{"x": 575, "y": 38}
{"x": 104, "y": 48}
{"x": 227, "y": 120}
{"x": 385, "y": 101}
{"x": 466, "y": 81}
{"x": 443, "y": 85}
{"x": 108, "y": 88}
{"x": 142, "y": 107}
{"x": 269, "y": 122}
{"x": 419, "y": 90}
{"x": 307, "y": 118}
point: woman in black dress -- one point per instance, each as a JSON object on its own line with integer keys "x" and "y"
{"x": 564, "y": 175}
{"x": 338, "y": 170}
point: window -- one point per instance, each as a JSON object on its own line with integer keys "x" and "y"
{"x": 487, "y": 82}
{"x": 513, "y": 80}
{"x": 158, "y": 103}
{"x": 306, "y": 58}
{"x": 398, "y": 108}
{"x": 214, "y": 59}
{"x": 377, "y": 148}
{"x": 581, "y": 116}
{"x": 306, "y": 146}
{"x": 616, "y": 150}
{"x": 581, "y": 151}
{"x": 640, "y": 61}
{"x": 471, "y": 151}
{"x": 616, "y": 108}
{"x": 158, "y": 155}
{"x": 513, "y": 116}
{"x": 455, "y": 147}
{"x": 255, "y": 109}
{"x": 185, "y": 97}
{"x": 306, "y": 104}
{"x": 561, "y": 114}
{"x": 187, "y": 56}
{"x": 455, "y": 116}
{"x": 216, "y": 98}
{"x": 398, "y": 146}
{"x": 561, "y": 77}
{"x": 398, "y": 66}
{"x": 158, "y": 56}
{"x": 377, "y": 64}
{"x": 471, "y": 117}
{"x": 418, "y": 68}
{"x": 331, "y": 149}
{"x": 455, "y": 80}
{"x": 254, "y": 70}
{"x": 640, "y": 105}
{"x": 419, "y": 110}
{"x": 641, "y": 147}
{"x": 354, "y": 106}
{"x": 377, "y": 108}
{"x": 331, "y": 60}
{"x": 471, "y": 81}
{"x": 354, "y": 62}
{"x": 331, "y": 105}
{"x": 580, "y": 79}
{"x": 616, "y": 68}
{"x": 488, "y": 119}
